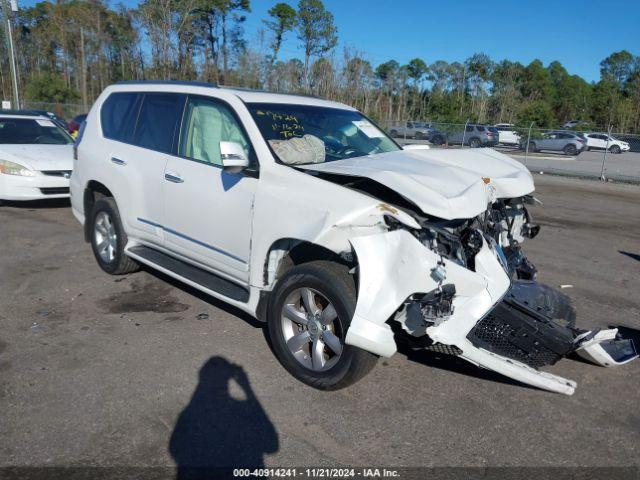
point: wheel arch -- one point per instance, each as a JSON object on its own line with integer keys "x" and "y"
{"x": 92, "y": 192}
{"x": 286, "y": 253}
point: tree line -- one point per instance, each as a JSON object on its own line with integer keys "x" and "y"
{"x": 69, "y": 50}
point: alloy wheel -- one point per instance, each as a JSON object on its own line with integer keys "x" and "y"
{"x": 106, "y": 238}
{"x": 312, "y": 329}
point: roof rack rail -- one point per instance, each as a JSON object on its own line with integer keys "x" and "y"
{"x": 167, "y": 82}
{"x": 194, "y": 83}
{"x": 259, "y": 90}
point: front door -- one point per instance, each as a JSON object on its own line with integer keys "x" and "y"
{"x": 208, "y": 211}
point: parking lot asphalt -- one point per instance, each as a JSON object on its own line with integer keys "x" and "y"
{"x": 141, "y": 371}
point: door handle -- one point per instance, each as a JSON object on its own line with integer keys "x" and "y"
{"x": 173, "y": 177}
{"x": 118, "y": 161}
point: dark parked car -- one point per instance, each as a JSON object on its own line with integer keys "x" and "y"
{"x": 74, "y": 125}
{"x": 473, "y": 136}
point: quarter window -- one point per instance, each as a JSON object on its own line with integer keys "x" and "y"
{"x": 118, "y": 116}
{"x": 207, "y": 123}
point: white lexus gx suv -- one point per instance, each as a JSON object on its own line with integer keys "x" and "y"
{"x": 306, "y": 215}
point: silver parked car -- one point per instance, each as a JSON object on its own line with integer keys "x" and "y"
{"x": 473, "y": 135}
{"x": 416, "y": 130}
{"x": 570, "y": 143}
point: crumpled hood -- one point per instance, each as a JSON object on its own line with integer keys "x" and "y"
{"x": 39, "y": 157}
{"x": 508, "y": 176}
{"x": 437, "y": 188}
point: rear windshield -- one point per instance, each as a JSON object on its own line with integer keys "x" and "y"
{"x": 27, "y": 131}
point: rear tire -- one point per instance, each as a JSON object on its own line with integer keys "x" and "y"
{"x": 393, "y": 133}
{"x": 418, "y": 136}
{"x": 108, "y": 238}
{"x": 475, "y": 142}
{"x": 301, "y": 340}
{"x": 570, "y": 150}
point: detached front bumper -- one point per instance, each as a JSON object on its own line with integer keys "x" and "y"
{"x": 395, "y": 265}
{"x": 38, "y": 187}
{"x": 512, "y": 329}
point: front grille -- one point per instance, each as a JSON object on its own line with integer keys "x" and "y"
{"x": 444, "y": 349}
{"x": 54, "y": 190}
{"x": 57, "y": 173}
{"x": 513, "y": 331}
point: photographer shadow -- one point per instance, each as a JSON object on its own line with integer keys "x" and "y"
{"x": 223, "y": 427}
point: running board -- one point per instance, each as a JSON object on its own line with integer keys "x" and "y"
{"x": 185, "y": 270}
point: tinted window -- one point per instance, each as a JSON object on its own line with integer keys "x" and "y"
{"x": 480, "y": 128}
{"x": 118, "y": 116}
{"x": 32, "y": 131}
{"x": 157, "y": 122}
{"x": 469, "y": 128}
{"x": 206, "y": 124}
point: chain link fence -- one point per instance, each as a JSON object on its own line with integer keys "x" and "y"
{"x": 66, "y": 111}
{"x": 606, "y": 155}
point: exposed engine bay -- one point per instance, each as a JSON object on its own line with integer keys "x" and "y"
{"x": 524, "y": 326}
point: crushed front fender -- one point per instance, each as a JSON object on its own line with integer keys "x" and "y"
{"x": 534, "y": 325}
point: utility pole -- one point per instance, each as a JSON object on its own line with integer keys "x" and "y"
{"x": 12, "y": 54}
{"x": 84, "y": 71}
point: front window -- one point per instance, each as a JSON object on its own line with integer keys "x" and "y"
{"x": 28, "y": 131}
{"x": 300, "y": 134}
{"x": 207, "y": 123}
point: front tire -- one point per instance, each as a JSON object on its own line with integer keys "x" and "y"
{"x": 310, "y": 311}
{"x": 615, "y": 149}
{"x": 108, "y": 238}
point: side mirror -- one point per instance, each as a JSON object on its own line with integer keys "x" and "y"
{"x": 417, "y": 146}
{"x": 233, "y": 158}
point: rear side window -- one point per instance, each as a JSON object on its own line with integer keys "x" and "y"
{"x": 118, "y": 116}
{"x": 480, "y": 128}
{"x": 158, "y": 120}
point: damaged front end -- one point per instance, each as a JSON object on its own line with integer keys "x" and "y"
{"x": 464, "y": 287}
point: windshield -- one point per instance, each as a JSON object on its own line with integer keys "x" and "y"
{"x": 32, "y": 131}
{"x": 300, "y": 134}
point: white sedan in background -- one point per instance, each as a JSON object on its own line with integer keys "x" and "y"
{"x": 36, "y": 157}
{"x": 602, "y": 141}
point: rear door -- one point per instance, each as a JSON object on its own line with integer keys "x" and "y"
{"x": 144, "y": 160}
{"x": 208, "y": 212}
{"x": 597, "y": 141}
{"x": 550, "y": 142}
